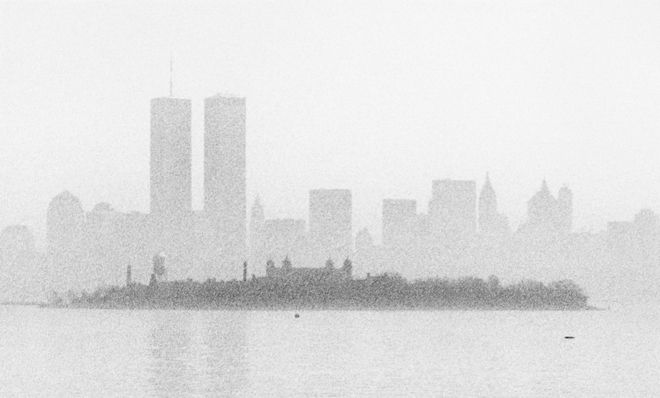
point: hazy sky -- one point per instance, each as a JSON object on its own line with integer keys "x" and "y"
{"x": 377, "y": 96}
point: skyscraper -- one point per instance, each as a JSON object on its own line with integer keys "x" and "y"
{"x": 487, "y": 206}
{"x": 452, "y": 210}
{"x": 170, "y": 158}
{"x": 224, "y": 176}
{"x": 171, "y": 208}
{"x": 547, "y": 214}
{"x": 491, "y": 222}
{"x": 65, "y": 223}
{"x": 565, "y": 209}
{"x": 257, "y": 244}
{"x": 330, "y": 215}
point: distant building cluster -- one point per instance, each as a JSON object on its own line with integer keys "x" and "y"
{"x": 87, "y": 249}
{"x": 459, "y": 232}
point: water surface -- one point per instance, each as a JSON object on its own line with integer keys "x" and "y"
{"x": 142, "y": 353}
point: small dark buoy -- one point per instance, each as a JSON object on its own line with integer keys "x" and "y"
{"x": 569, "y": 337}
{"x": 297, "y": 315}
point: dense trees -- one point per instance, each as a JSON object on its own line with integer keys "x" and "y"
{"x": 386, "y": 291}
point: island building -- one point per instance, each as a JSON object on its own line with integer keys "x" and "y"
{"x": 328, "y": 273}
{"x": 159, "y": 271}
{"x": 129, "y": 276}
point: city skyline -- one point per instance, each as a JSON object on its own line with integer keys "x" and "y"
{"x": 329, "y": 198}
{"x": 403, "y": 105}
{"x": 461, "y": 230}
{"x": 177, "y": 110}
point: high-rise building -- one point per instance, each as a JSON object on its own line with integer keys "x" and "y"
{"x": 330, "y": 215}
{"x": 107, "y": 243}
{"x": 170, "y": 158}
{"x": 549, "y": 215}
{"x": 224, "y": 176}
{"x": 487, "y": 206}
{"x": 541, "y": 209}
{"x": 171, "y": 196}
{"x": 399, "y": 222}
{"x": 491, "y": 222}
{"x": 65, "y": 230}
{"x": 452, "y": 210}
{"x": 256, "y": 241}
{"x": 565, "y": 209}
{"x": 65, "y": 222}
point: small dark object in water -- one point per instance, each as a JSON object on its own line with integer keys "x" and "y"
{"x": 569, "y": 337}
{"x": 297, "y": 315}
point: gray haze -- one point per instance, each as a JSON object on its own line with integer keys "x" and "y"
{"x": 378, "y": 97}
{"x": 384, "y": 101}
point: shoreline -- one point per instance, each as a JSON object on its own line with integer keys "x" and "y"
{"x": 320, "y": 309}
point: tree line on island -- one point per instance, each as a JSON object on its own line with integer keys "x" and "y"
{"x": 384, "y": 291}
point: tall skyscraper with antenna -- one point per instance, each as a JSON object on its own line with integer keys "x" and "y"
{"x": 170, "y": 175}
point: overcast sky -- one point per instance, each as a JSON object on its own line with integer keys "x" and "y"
{"x": 377, "y": 96}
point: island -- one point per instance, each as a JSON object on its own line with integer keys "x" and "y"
{"x": 329, "y": 288}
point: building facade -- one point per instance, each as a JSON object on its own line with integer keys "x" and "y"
{"x": 224, "y": 177}
{"x": 330, "y": 223}
{"x": 171, "y": 194}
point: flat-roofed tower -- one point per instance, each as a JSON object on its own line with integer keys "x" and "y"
{"x": 330, "y": 229}
{"x": 170, "y": 157}
{"x": 224, "y": 177}
{"x": 171, "y": 194}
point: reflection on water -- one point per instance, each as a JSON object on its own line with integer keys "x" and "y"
{"x": 198, "y": 354}
{"x": 108, "y": 353}
{"x": 171, "y": 370}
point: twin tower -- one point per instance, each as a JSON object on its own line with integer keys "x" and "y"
{"x": 223, "y": 219}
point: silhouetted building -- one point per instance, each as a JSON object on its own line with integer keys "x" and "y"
{"x": 65, "y": 226}
{"x": 330, "y": 212}
{"x": 129, "y": 276}
{"x": 491, "y": 222}
{"x": 138, "y": 241}
{"x": 565, "y": 210}
{"x": 107, "y": 245}
{"x": 159, "y": 270}
{"x": 171, "y": 209}
{"x": 452, "y": 210}
{"x": 65, "y": 221}
{"x": 367, "y": 254}
{"x": 548, "y": 215}
{"x": 224, "y": 176}
{"x": 170, "y": 158}
{"x": 256, "y": 241}
{"x": 329, "y": 273}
